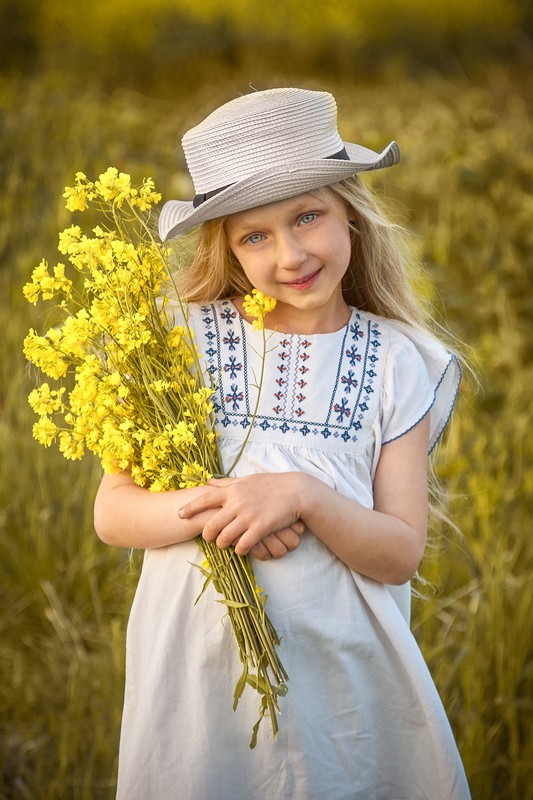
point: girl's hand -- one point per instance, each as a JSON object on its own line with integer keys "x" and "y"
{"x": 279, "y": 544}
{"x": 257, "y": 512}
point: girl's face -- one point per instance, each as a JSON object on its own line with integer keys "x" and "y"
{"x": 296, "y": 250}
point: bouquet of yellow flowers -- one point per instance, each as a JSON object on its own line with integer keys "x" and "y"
{"x": 129, "y": 387}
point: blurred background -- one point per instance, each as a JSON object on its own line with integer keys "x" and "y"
{"x": 86, "y": 86}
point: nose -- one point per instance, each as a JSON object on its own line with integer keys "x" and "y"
{"x": 289, "y": 251}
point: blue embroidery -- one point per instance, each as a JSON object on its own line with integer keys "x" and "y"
{"x": 356, "y": 330}
{"x": 235, "y": 397}
{"x": 228, "y": 315}
{"x": 341, "y": 410}
{"x": 231, "y": 340}
{"x": 345, "y": 404}
{"x": 233, "y": 367}
{"x": 353, "y": 355}
{"x": 350, "y": 381}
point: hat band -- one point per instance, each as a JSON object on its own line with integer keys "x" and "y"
{"x": 342, "y": 155}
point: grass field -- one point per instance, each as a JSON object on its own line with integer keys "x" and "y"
{"x": 465, "y": 189}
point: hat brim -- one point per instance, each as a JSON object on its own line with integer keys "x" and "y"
{"x": 268, "y": 186}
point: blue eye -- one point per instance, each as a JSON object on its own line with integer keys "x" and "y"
{"x": 307, "y": 218}
{"x": 255, "y": 238}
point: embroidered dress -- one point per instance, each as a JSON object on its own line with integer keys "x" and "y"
{"x": 362, "y": 719}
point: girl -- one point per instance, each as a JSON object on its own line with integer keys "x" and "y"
{"x": 330, "y": 496}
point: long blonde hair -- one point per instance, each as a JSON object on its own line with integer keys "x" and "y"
{"x": 377, "y": 279}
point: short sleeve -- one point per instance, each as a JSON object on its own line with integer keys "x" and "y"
{"x": 420, "y": 376}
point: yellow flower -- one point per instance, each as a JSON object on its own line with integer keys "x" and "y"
{"x": 71, "y": 445}
{"x": 40, "y": 350}
{"x": 32, "y": 293}
{"x": 42, "y": 283}
{"x": 162, "y": 445}
{"x": 69, "y": 239}
{"x": 45, "y": 431}
{"x": 44, "y": 400}
{"x": 161, "y": 386}
{"x": 182, "y": 434}
{"x": 77, "y": 334}
{"x": 157, "y": 485}
{"x": 130, "y": 331}
{"x": 146, "y": 196}
{"x": 176, "y": 336}
{"x": 257, "y": 305}
{"x": 78, "y": 195}
{"x": 109, "y": 462}
{"x": 194, "y": 475}
{"x": 114, "y": 187}
{"x": 137, "y": 473}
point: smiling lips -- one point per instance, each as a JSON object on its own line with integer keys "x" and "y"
{"x": 303, "y": 283}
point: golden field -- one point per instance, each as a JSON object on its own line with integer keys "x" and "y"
{"x": 465, "y": 191}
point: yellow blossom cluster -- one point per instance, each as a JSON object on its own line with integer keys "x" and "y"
{"x": 112, "y": 187}
{"x": 257, "y": 305}
{"x": 130, "y": 389}
{"x": 47, "y": 286}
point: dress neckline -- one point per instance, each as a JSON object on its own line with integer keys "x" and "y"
{"x": 283, "y": 334}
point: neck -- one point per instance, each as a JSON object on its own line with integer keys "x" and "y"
{"x": 288, "y": 319}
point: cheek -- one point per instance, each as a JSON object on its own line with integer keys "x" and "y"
{"x": 343, "y": 249}
{"x": 253, "y": 267}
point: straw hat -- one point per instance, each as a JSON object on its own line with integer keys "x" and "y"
{"x": 263, "y": 147}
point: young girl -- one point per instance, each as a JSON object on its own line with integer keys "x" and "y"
{"x": 329, "y": 497}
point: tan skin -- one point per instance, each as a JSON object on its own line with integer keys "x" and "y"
{"x": 295, "y": 250}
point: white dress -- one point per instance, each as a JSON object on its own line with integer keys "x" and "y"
{"x": 362, "y": 719}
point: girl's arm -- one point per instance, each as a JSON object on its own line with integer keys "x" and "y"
{"x": 126, "y": 515}
{"x": 385, "y": 543}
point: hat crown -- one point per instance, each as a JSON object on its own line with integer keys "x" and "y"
{"x": 259, "y": 131}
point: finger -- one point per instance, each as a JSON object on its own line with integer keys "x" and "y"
{"x": 274, "y": 546}
{"x": 205, "y": 501}
{"x": 230, "y": 534}
{"x": 219, "y": 481}
{"x": 289, "y": 538}
{"x": 260, "y": 552}
{"x": 298, "y": 527}
{"x": 217, "y": 524}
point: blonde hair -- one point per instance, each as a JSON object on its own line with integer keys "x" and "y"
{"x": 211, "y": 270}
{"x": 377, "y": 279}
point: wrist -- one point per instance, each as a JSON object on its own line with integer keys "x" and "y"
{"x": 306, "y": 487}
